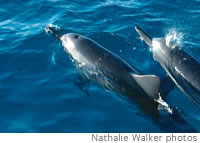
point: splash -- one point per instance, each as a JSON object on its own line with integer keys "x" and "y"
{"x": 174, "y": 38}
{"x": 51, "y": 25}
{"x": 163, "y": 105}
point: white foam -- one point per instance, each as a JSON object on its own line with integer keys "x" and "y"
{"x": 174, "y": 38}
{"x": 51, "y": 25}
{"x": 163, "y": 105}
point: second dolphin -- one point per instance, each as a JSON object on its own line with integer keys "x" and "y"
{"x": 182, "y": 68}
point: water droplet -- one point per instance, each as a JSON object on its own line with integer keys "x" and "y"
{"x": 184, "y": 59}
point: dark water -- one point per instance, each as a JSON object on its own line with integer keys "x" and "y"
{"x": 37, "y": 90}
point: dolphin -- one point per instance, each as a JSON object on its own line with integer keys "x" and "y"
{"x": 108, "y": 70}
{"x": 182, "y": 68}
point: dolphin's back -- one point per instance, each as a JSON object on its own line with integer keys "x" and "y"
{"x": 187, "y": 68}
{"x": 97, "y": 55}
{"x": 109, "y": 63}
{"x": 109, "y": 70}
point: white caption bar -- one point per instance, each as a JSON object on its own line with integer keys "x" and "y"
{"x": 100, "y": 138}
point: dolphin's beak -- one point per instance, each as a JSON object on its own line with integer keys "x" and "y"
{"x": 55, "y": 33}
{"x": 144, "y": 36}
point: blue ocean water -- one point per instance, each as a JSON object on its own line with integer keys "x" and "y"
{"x": 37, "y": 90}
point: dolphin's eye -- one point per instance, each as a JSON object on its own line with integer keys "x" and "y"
{"x": 76, "y": 36}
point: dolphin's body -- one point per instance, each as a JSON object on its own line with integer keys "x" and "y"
{"x": 109, "y": 70}
{"x": 181, "y": 67}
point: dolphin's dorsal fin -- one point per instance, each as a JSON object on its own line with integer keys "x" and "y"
{"x": 149, "y": 83}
